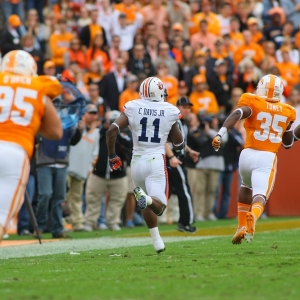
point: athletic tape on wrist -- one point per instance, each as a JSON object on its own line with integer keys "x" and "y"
{"x": 222, "y": 131}
{"x": 116, "y": 126}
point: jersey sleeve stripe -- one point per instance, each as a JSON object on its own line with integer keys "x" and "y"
{"x": 167, "y": 178}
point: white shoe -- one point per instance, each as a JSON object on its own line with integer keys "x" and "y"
{"x": 103, "y": 226}
{"x": 115, "y": 227}
{"x": 212, "y": 217}
{"x": 200, "y": 218}
{"x": 5, "y": 236}
{"x": 140, "y": 197}
{"x": 159, "y": 246}
{"x": 87, "y": 228}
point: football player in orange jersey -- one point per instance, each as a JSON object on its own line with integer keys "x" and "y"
{"x": 268, "y": 125}
{"x": 25, "y": 109}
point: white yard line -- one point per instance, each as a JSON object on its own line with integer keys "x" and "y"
{"x": 83, "y": 245}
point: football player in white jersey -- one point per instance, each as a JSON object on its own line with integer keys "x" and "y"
{"x": 153, "y": 122}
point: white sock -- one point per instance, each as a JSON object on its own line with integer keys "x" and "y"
{"x": 155, "y": 233}
{"x": 148, "y": 200}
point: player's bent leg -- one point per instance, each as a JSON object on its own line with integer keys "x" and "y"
{"x": 153, "y": 203}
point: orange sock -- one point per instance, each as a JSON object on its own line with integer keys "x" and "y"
{"x": 242, "y": 212}
{"x": 257, "y": 209}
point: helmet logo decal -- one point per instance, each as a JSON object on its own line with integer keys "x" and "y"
{"x": 160, "y": 85}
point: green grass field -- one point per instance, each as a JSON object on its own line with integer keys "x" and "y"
{"x": 124, "y": 265}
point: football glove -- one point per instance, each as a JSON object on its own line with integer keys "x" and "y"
{"x": 216, "y": 142}
{"x": 115, "y": 163}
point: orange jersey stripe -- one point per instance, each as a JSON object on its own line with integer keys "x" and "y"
{"x": 167, "y": 178}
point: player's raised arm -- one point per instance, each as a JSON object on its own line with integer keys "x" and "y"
{"x": 111, "y": 136}
{"x": 120, "y": 123}
{"x": 238, "y": 114}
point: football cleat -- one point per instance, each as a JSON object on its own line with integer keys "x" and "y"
{"x": 159, "y": 246}
{"x": 249, "y": 234}
{"x": 186, "y": 228}
{"x": 239, "y": 235}
{"x": 140, "y": 197}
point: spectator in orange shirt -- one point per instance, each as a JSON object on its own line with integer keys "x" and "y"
{"x": 249, "y": 50}
{"x": 71, "y": 72}
{"x": 97, "y": 52}
{"x": 75, "y": 53}
{"x": 235, "y": 34}
{"x": 89, "y": 32}
{"x": 213, "y": 22}
{"x": 170, "y": 82}
{"x": 130, "y": 93}
{"x": 288, "y": 69}
{"x": 204, "y": 101}
{"x": 60, "y": 9}
{"x": 257, "y": 36}
{"x": 59, "y": 43}
{"x": 195, "y": 7}
{"x": 177, "y": 49}
{"x": 203, "y": 38}
{"x": 128, "y": 8}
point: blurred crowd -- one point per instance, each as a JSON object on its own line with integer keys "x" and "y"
{"x": 212, "y": 51}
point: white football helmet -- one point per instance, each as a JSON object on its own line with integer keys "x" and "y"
{"x": 270, "y": 87}
{"x": 19, "y": 62}
{"x": 153, "y": 89}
